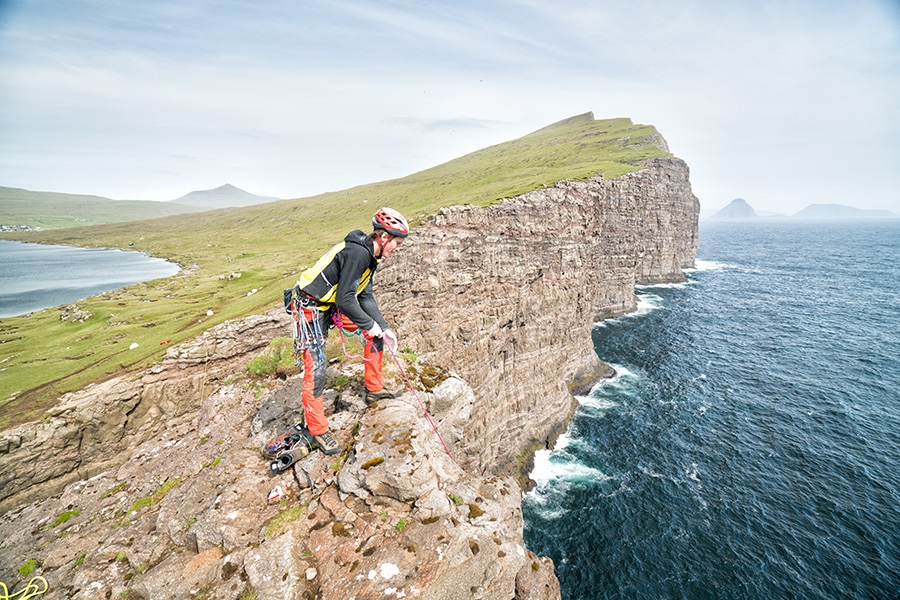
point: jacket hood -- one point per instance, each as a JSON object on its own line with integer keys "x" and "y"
{"x": 361, "y": 238}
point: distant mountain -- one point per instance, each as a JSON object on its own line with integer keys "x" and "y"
{"x": 226, "y": 196}
{"x": 53, "y": 210}
{"x": 738, "y": 209}
{"x": 839, "y": 211}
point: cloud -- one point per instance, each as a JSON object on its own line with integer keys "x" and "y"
{"x": 461, "y": 123}
{"x": 761, "y": 99}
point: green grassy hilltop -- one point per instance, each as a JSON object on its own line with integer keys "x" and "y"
{"x": 42, "y": 356}
{"x": 51, "y": 210}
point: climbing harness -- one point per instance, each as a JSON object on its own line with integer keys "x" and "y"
{"x": 306, "y": 333}
{"x": 425, "y": 410}
{"x": 29, "y": 591}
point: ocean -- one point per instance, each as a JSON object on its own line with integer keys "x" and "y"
{"x": 37, "y": 276}
{"x": 749, "y": 446}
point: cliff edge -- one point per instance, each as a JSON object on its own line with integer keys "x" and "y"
{"x": 507, "y": 295}
{"x": 151, "y": 484}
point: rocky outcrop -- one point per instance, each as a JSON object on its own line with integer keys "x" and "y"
{"x": 186, "y": 515}
{"x": 93, "y": 429}
{"x": 155, "y": 483}
{"x": 507, "y": 295}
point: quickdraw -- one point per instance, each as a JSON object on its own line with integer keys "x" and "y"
{"x": 306, "y": 333}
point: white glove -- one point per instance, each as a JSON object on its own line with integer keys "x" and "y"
{"x": 375, "y": 331}
{"x": 390, "y": 340}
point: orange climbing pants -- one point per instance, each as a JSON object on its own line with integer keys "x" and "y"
{"x": 314, "y": 367}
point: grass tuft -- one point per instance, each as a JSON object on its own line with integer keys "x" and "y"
{"x": 277, "y": 355}
{"x": 153, "y": 499}
{"x": 29, "y": 567}
{"x": 283, "y": 520}
{"x": 64, "y": 517}
{"x": 114, "y": 489}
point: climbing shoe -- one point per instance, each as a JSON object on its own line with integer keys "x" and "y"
{"x": 287, "y": 459}
{"x": 280, "y": 444}
{"x": 382, "y": 394}
{"x": 326, "y": 443}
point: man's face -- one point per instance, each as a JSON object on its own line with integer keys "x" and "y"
{"x": 389, "y": 246}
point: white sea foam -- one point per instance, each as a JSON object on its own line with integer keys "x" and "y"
{"x": 651, "y": 473}
{"x": 562, "y": 442}
{"x": 543, "y": 469}
{"x": 606, "y": 394}
{"x": 645, "y": 303}
{"x": 624, "y": 377}
{"x": 547, "y": 506}
{"x": 622, "y": 372}
{"x": 707, "y": 265}
{"x": 665, "y": 285}
{"x": 560, "y": 471}
{"x": 597, "y": 404}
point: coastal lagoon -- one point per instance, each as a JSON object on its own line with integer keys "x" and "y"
{"x": 749, "y": 446}
{"x": 38, "y": 276}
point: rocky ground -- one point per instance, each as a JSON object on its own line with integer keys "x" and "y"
{"x": 187, "y": 515}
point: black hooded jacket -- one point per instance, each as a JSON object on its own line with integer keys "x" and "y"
{"x": 343, "y": 278}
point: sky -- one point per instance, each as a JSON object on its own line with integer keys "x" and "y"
{"x": 783, "y": 103}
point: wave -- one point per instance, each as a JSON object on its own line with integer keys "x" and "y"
{"x": 598, "y": 404}
{"x": 604, "y": 389}
{"x": 670, "y": 285}
{"x": 701, "y": 265}
{"x": 562, "y": 442}
{"x": 622, "y": 372}
{"x": 646, "y": 303}
{"x": 705, "y": 266}
{"x": 557, "y": 467}
{"x": 556, "y": 472}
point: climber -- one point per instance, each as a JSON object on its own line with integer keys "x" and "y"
{"x": 340, "y": 285}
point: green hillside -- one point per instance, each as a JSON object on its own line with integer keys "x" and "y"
{"x": 51, "y": 210}
{"x": 268, "y": 244}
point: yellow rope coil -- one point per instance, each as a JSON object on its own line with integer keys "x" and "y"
{"x": 29, "y": 591}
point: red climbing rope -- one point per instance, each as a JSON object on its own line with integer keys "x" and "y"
{"x": 428, "y": 416}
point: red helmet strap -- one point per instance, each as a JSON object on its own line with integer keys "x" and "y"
{"x": 381, "y": 238}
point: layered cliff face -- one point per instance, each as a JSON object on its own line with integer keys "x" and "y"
{"x": 507, "y": 295}
{"x": 503, "y": 296}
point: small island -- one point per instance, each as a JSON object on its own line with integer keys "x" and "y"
{"x": 740, "y": 209}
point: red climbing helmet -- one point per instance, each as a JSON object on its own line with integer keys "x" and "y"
{"x": 391, "y": 221}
